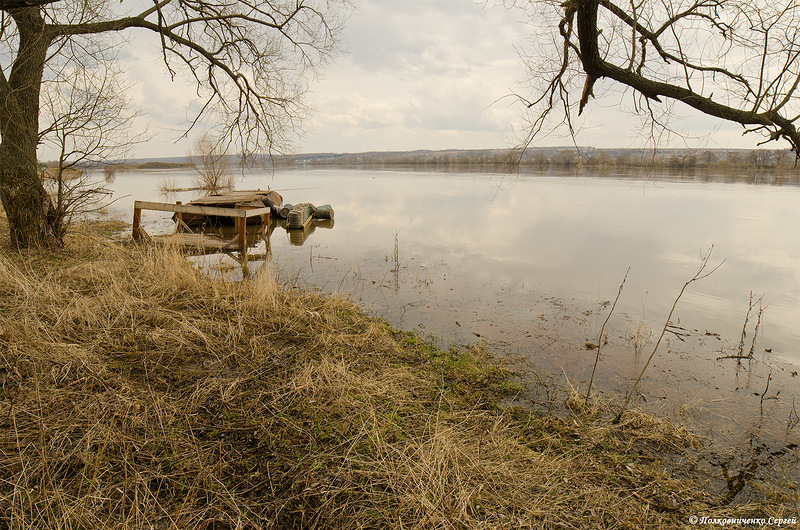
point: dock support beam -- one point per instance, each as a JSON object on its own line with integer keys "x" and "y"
{"x": 137, "y": 221}
{"x": 241, "y": 232}
{"x": 178, "y": 219}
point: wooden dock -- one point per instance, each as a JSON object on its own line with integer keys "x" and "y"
{"x": 186, "y": 238}
{"x": 239, "y": 208}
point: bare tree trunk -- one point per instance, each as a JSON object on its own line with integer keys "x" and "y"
{"x": 27, "y": 204}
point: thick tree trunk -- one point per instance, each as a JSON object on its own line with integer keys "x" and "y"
{"x": 27, "y": 204}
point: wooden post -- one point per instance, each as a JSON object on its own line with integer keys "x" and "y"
{"x": 137, "y": 220}
{"x": 241, "y": 230}
{"x": 179, "y": 219}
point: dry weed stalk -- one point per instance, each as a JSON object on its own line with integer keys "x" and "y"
{"x": 699, "y": 275}
{"x": 600, "y": 335}
{"x": 759, "y": 314}
{"x": 740, "y": 355}
{"x": 643, "y": 334}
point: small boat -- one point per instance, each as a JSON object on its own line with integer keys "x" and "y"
{"x": 246, "y": 199}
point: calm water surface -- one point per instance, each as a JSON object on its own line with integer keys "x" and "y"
{"x": 528, "y": 264}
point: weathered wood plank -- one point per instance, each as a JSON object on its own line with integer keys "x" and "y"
{"x": 179, "y": 224}
{"x": 219, "y": 200}
{"x": 198, "y": 241}
{"x": 241, "y": 229}
{"x": 201, "y": 210}
{"x": 236, "y": 197}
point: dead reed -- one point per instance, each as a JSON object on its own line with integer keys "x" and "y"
{"x": 136, "y": 392}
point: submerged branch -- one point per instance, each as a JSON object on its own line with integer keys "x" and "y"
{"x": 699, "y": 275}
{"x": 600, "y": 336}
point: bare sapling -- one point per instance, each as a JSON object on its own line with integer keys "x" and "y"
{"x": 755, "y": 330}
{"x": 212, "y": 163}
{"x": 794, "y": 418}
{"x": 86, "y": 121}
{"x": 699, "y": 275}
{"x": 744, "y": 326}
{"x": 759, "y": 313}
{"x": 600, "y": 336}
{"x": 764, "y": 394}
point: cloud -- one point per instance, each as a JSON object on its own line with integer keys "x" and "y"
{"x": 419, "y": 74}
{"x": 430, "y": 37}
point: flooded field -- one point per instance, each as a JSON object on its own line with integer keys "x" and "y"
{"x": 529, "y": 265}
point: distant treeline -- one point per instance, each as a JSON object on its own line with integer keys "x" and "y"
{"x": 601, "y": 158}
{"x": 566, "y": 158}
{"x": 112, "y": 169}
{"x": 134, "y": 165}
{"x": 533, "y": 158}
{"x": 148, "y": 166}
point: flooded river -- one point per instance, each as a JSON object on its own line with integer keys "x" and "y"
{"x": 530, "y": 263}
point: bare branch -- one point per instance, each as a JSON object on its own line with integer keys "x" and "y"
{"x": 745, "y": 53}
{"x": 7, "y": 5}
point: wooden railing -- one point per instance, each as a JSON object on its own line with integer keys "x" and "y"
{"x": 239, "y": 214}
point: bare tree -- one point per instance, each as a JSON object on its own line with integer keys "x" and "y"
{"x": 212, "y": 163}
{"x": 249, "y": 60}
{"x": 90, "y": 122}
{"x": 736, "y": 60}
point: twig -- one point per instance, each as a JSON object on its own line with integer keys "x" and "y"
{"x": 673, "y": 329}
{"x": 794, "y": 418}
{"x": 744, "y": 326}
{"x": 740, "y": 355}
{"x": 600, "y": 337}
{"x": 699, "y": 275}
{"x": 758, "y": 325}
{"x": 769, "y": 378}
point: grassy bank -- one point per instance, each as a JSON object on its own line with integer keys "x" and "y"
{"x": 136, "y": 392}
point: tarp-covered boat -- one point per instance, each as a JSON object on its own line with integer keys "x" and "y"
{"x": 233, "y": 199}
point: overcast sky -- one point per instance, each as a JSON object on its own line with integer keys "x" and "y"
{"x": 417, "y": 74}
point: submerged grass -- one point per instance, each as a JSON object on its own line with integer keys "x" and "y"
{"x": 137, "y": 392}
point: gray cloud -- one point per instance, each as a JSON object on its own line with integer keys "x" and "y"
{"x": 432, "y": 37}
{"x": 419, "y": 74}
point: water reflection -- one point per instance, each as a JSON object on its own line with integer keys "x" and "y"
{"x": 526, "y": 263}
{"x": 256, "y": 241}
{"x": 258, "y": 245}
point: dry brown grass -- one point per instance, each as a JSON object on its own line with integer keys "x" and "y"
{"x": 137, "y": 392}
